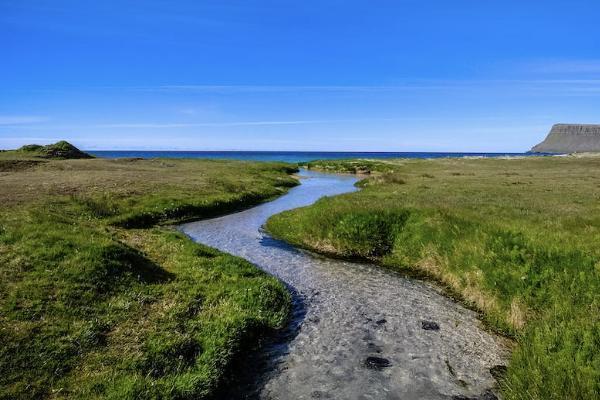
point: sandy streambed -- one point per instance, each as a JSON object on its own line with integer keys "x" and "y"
{"x": 359, "y": 331}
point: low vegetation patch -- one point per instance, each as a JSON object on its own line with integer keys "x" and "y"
{"x": 17, "y": 165}
{"x": 353, "y": 166}
{"x": 516, "y": 239}
{"x": 92, "y": 308}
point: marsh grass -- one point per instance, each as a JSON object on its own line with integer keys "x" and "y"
{"x": 517, "y": 239}
{"x": 90, "y": 308}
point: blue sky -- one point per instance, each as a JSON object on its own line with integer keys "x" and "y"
{"x": 304, "y": 75}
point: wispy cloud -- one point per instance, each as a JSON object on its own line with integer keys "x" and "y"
{"x": 298, "y": 88}
{"x": 8, "y": 120}
{"x": 542, "y": 82}
{"x": 174, "y": 126}
{"x": 565, "y": 67}
{"x": 225, "y": 124}
{"x": 182, "y": 125}
{"x": 561, "y": 86}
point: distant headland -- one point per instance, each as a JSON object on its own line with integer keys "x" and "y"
{"x": 570, "y": 138}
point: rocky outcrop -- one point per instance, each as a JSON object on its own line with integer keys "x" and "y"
{"x": 570, "y": 138}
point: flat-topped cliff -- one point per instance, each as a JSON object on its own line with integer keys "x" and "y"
{"x": 571, "y": 138}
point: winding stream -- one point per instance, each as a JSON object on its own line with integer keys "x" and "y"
{"x": 358, "y": 330}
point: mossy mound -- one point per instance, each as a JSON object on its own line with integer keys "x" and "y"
{"x": 58, "y": 150}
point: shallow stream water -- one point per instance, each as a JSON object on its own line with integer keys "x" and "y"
{"x": 358, "y": 330}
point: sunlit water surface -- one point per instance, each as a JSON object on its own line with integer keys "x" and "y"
{"x": 346, "y": 312}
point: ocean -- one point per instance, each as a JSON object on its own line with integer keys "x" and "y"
{"x": 286, "y": 156}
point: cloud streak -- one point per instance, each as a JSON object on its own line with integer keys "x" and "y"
{"x": 10, "y": 120}
{"x": 233, "y": 123}
{"x": 543, "y": 83}
{"x": 565, "y": 67}
{"x": 417, "y": 84}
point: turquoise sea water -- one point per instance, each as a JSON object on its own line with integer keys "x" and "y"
{"x": 287, "y": 156}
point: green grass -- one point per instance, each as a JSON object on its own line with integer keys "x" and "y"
{"x": 517, "y": 239}
{"x": 92, "y": 308}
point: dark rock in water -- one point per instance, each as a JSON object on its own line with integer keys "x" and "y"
{"x": 498, "y": 372}
{"x": 377, "y": 363}
{"x": 430, "y": 326}
{"x": 450, "y": 369}
{"x": 570, "y": 138}
{"x": 381, "y": 321}
{"x": 373, "y": 347}
{"x": 487, "y": 395}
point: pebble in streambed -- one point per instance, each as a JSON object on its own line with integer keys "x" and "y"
{"x": 377, "y": 363}
{"x": 430, "y": 326}
{"x": 361, "y": 334}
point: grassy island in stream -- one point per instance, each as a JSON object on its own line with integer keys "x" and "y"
{"x": 517, "y": 239}
{"x": 100, "y": 299}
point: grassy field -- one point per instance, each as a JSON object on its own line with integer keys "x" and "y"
{"x": 100, "y": 299}
{"x": 517, "y": 239}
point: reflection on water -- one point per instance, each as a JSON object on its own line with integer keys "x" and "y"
{"x": 357, "y": 330}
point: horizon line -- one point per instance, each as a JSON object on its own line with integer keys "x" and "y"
{"x": 306, "y": 151}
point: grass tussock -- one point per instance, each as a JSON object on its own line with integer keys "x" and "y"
{"x": 517, "y": 239}
{"x": 90, "y": 309}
